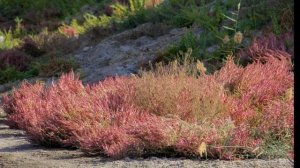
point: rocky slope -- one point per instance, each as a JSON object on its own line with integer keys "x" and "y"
{"x": 125, "y": 53}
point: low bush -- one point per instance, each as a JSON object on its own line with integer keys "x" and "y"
{"x": 188, "y": 41}
{"x": 236, "y": 112}
{"x": 10, "y": 74}
{"x": 55, "y": 42}
{"x": 269, "y": 45}
{"x": 31, "y": 48}
{"x": 15, "y": 65}
{"x": 54, "y": 65}
{"x": 12, "y": 8}
{"x": 14, "y": 58}
{"x": 7, "y": 40}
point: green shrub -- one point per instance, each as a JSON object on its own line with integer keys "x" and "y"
{"x": 91, "y": 21}
{"x": 54, "y": 66}
{"x": 10, "y": 74}
{"x": 12, "y": 8}
{"x": 189, "y": 40}
{"x": 8, "y": 40}
{"x": 275, "y": 23}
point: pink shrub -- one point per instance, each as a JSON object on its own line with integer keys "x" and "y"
{"x": 233, "y": 111}
{"x": 243, "y": 138}
{"x": 280, "y": 112}
{"x": 257, "y": 100}
{"x": 187, "y": 144}
{"x": 258, "y": 85}
{"x": 112, "y": 141}
{"x": 16, "y": 106}
{"x": 40, "y": 112}
{"x": 69, "y": 31}
{"x": 270, "y": 45}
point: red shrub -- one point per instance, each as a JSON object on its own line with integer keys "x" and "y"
{"x": 152, "y": 132}
{"x": 270, "y": 45}
{"x": 41, "y": 112}
{"x": 17, "y": 108}
{"x": 281, "y": 113}
{"x": 257, "y": 102}
{"x": 187, "y": 144}
{"x": 69, "y": 31}
{"x": 258, "y": 85}
{"x": 111, "y": 141}
{"x": 232, "y": 112}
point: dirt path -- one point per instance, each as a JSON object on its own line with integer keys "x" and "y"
{"x": 16, "y": 151}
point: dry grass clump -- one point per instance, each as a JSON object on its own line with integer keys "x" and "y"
{"x": 55, "y": 41}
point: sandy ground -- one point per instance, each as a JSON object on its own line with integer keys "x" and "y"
{"x": 16, "y": 151}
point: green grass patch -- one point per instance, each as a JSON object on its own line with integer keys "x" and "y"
{"x": 10, "y": 74}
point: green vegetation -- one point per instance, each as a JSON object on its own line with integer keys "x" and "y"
{"x": 7, "y": 40}
{"x": 189, "y": 40}
{"x": 11, "y": 74}
{"x": 13, "y": 8}
{"x": 221, "y": 22}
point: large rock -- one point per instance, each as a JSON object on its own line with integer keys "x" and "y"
{"x": 124, "y": 53}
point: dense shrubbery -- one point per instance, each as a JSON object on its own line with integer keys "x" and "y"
{"x": 14, "y": 58}
{"x": 12, "y": 8}
{"x": 14, "y": 65}
{"x": 235, "y": 112}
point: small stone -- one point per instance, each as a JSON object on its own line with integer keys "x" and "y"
{"x": 127, "y": 159}
{"x": 2, "y": 39}
{"x": 86, "y": 49}
{"x": 212, "y": 49}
